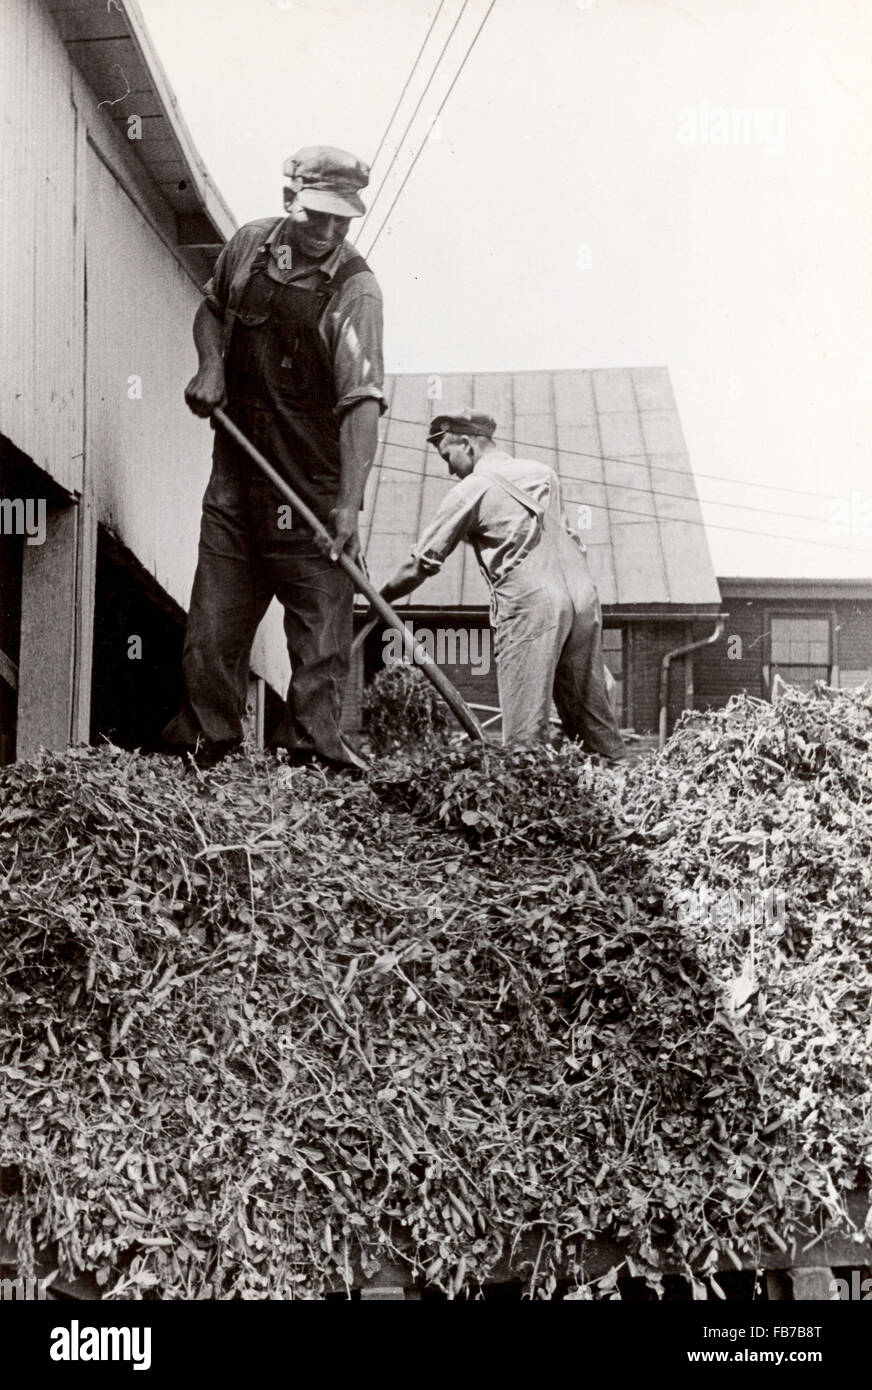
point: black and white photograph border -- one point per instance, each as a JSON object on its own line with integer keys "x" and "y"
{"x": 436, "y": 660}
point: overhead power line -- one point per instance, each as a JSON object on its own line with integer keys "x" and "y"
{"x": 651, "y": 516}
{"x": 411, "y": 119}
{"x": 633, "y": 487}
{"x": 630, "y": 463}
{"x": 419, "y": 151}
{"x": 393, "y": 114}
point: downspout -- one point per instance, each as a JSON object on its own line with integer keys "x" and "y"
{"x": 670, "y": 657}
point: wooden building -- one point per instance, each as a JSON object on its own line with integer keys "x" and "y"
{"x": 109, "y": 226}
{"x": 804, "y": 630}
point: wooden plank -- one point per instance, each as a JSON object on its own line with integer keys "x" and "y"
{"x": 8, "y": 671}
{"x": 39, "y": 360}
{"x": 46, "y": 662}
{"x": 86, "y": 512}
{"x": 112, "y": 68}
{"x": 84, "y": 24}
{"x": 629, "y": 676}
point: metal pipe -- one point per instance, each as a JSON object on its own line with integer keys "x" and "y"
{"x": 667, "y": 661}
{"x": 413, "y": 651}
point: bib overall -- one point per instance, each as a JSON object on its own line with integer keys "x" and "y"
{"x": 281, "y": 394}
{"x": 548, "y": 639}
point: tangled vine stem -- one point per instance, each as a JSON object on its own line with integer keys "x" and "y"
{"x": 262, "y": 1031}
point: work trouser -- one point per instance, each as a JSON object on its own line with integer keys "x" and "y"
{"x": 245, "y": 557}
{"x": 548, "y": 641}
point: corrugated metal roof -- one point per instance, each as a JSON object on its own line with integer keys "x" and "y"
{"x": 615, "y": 439}
{"x": 111, "y": 48}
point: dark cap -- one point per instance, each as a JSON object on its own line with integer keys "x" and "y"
{"x": 327, "y": 180}
{"x": 463, "y": 422}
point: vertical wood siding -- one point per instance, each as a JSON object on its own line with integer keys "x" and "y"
{"x": 41, "y": 368}
{"x": 149, "y": 456}
{"x": 65, "y": 217}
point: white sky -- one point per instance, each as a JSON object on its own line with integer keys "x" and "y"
{"x": 568, "y": 142}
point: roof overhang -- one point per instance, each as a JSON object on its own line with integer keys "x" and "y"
{"x": 110, "y": 46}
{"x": 738, "y": 587}
{"x": 633, "y": 612}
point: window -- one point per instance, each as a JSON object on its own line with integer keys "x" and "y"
{"x": 800, "y": 650}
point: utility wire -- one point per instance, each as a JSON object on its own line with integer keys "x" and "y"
{"x": 629, "y": 463}
{"x": 632, "y": 487}
{"x": 463, "y": 62}
{"x": 654, "y": 516}
{"x": 400, "y": 98}
{"x": 411, "y": 119}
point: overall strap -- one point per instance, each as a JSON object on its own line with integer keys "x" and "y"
{"x": 526, "y": 501}
{"x": 262, "y": 257}
{"x": 353, "y": 266}
{"x": 260, "y": 261}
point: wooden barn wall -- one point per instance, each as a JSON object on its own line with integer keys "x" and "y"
{"x": 93, "y": 297}
{"x": 41, "y": 343}
{"x": 149, "y": 456}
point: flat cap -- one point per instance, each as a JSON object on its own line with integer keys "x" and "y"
{"x": 327, "y": 180}
{"x": 461, "y": 422}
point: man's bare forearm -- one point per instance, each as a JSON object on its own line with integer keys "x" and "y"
{"x": 358, "y": 441}
{"x": 208, "y": 336}
{"x": 205, "y": 390}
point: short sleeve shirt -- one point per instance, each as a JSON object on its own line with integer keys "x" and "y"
{"x": 351, "y": 324}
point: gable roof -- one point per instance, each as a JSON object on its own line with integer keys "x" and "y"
{"x": 615, "y": 439}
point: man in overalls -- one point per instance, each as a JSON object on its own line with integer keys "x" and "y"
{"x": 544, "y": 606}
{"x": 289, "y": 339}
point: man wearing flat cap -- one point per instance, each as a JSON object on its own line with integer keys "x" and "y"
{"x": 544, "y": 607}
{"x": 289, "y": 339}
